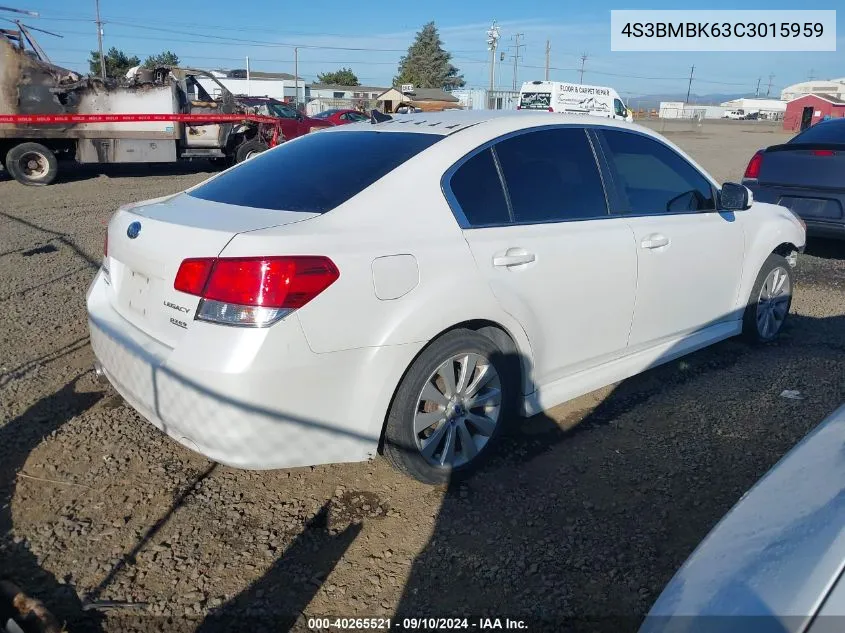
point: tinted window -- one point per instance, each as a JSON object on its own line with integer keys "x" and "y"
{"x": 478, "y": 190}
{"x": 316, "y": 172}
{"x": 823, "y": 132}
{"x": 654, "y": 178}
{"x": 551, "y": 175}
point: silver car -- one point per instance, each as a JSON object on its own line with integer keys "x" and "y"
{"x": 774, "y": 563}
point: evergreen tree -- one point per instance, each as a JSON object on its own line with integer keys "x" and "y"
{"x": 427, "y": 64}
{"x": 117, "y": 63}
{"x": 167, "y": 58}
{"x": 342, "y": 77}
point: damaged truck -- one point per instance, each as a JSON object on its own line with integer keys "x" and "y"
{"x": 49, "y": 114}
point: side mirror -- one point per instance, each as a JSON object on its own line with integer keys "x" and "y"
{"x": 734, "y": 197}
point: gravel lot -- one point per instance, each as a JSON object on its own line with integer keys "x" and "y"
{"x": 586, "y": 511}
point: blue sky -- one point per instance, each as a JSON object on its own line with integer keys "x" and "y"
{"x": 217, "y": 34}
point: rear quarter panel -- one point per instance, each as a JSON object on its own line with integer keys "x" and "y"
{"x": 405, "y": 213}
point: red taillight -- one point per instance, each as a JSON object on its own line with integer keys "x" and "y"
{"x": 823, "y": 152}
{"x": 270, "y": 282}
{"x": 519, "y": 107}
{"x": 753, "y": 169}
{"x": 551, "y": 109}
{"x": 193, "y": 274}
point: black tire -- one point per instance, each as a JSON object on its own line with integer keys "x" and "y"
{"x": 401, "y": 445}
{"x": 247, "y": 148}
{"x": 32, "y": 164}
{"x": 753, "y": 330}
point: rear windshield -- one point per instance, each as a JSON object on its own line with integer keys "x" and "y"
{"x": 823, "y": 132}
{"x": 535, "y": 100}
{"x": 317, "y": 172}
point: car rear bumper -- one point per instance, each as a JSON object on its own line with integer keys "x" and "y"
{"x": 828, "y": 221}
{"x": 303, "y": 409}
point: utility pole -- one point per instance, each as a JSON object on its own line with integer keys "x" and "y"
{"x": 769, "y": 89}
{"x": 248, "y": 92}
{"x": 296, "y": 77}
{"x": 584, "y": 58}
{"x": 100, "y": 42}
{"x": 516, "y": 47}
{"x": 757, "y": 91}
{"x": 548, "y": 53}
{"x": 689, "y": 86}
{"x": 492, "y": 44}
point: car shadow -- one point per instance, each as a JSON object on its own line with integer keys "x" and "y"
{"x": 74, "y": 172}
{"x": 18, "y": 565}
{"x": 826, "y": 248}
{"x": 578, "y": 519}
{"x": 562, "y": 529}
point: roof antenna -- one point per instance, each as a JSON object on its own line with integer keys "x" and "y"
{"x": 379, "y": 117}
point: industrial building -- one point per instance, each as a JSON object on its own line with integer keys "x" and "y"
{"x": 768, "y": 108}
{"x": 681, "y": 110}
{"x": 281, "y": 86}
{"x": 485, "y": 99}
{"x": 808, "y": 110}
{"x": 835, "y": 87}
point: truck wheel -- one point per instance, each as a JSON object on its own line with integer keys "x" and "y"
{"x": 32, "y": 164}
{"x": 248, "y": 149}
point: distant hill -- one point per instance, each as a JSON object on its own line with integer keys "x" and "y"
{"x": 648, "y": 102}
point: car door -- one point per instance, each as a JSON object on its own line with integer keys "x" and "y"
{"x": 536, "y": 219}
{"x": 689, "y": 254}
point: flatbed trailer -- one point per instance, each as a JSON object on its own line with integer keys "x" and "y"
{"x": 49, "y": 114}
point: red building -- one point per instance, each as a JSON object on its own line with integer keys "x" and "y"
{"x": 808, "y": 110}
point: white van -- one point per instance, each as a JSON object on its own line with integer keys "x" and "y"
{"x": 555, "y": 96}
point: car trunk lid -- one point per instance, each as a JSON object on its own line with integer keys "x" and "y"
{"x": 147, "y": 243}
{"x": 809, "y": 166}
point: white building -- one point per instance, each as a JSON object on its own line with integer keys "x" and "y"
{"x": 330, "y": 91}
{"x": 835, "y": 87}
{"x": 322, "y": 97}
{"x": 751, "y": 105}
{"x": 484, "y": 99}
{"x": 280, "y": 86}
{"x": 681, "y": 110}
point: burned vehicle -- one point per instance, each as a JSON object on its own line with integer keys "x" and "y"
{"x": 162, "y": 115}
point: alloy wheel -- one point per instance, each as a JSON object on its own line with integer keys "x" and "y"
{"x": 457, "y": 410}
{"x": 773, "y": 302}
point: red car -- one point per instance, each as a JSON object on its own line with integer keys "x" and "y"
{"x": 341, "y": 117}
{"x": 294, "y": 123}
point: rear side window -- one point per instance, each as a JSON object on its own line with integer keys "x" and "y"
{"x": 823, "y": 132}
{"x": 478, "y": 190}
{"x": 551, "y": 175}
{"x": 653, "y": 178}
{"x": 315, "y": 173}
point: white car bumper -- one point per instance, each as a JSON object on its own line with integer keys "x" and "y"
{"x": 298, "y": 409}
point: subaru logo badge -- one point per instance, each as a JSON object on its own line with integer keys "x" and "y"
{"x": 133, "y": 230}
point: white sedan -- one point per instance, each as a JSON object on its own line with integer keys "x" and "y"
{"x": 408, "y": 286}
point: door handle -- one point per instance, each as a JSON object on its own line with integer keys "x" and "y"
{"x": 514, "y": 257}
{"x": 655, "y": 240}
